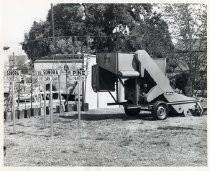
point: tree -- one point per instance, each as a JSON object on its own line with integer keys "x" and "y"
{"x": 100, "y": 28}
{"x": 188, "y": 26}
{"x": 37, "y": 41}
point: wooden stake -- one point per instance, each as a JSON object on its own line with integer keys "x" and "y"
{"x": 59, "y": 83}
{"x": 13, "y": 96}
{"x": 13, "y": 106}
{"x": 18, "y": 97}
{"x": 79, "y": 111}
{"x": 44, "y": 105}
{"x": 51, "y": 108}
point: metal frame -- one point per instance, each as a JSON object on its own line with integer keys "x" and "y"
{"x": 137, "y": 105}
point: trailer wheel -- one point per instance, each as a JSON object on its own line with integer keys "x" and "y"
{"x": 132, "y": 112}
{"x": 160, "y": 110}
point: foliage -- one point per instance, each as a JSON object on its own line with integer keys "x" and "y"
{"x": 181, "y": 81}
{"x": 99, "y": 28}
{"x": 37, "y": 41}
{"x": 188, "y": 27}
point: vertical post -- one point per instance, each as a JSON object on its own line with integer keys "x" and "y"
{"x": 40, "y": 100}
{"x": 120, "y": 91}
{"x": 13, "y": 97}
{"x": 13, "y": 105}
{"x": 79, "y": 112}
{"x": 51, "y": 108}
{"x": 31, "y": 92}
{"x": 52, "y": 18}
{"x": 67, "y": 95}
{"x": 83, "y": 86}
{"x": 137, "y": 91}
{"x": 59, "y": 84}
{"x": 97, "y": 100}
{"x": 44, "y": 105}
{"x": 18, "y": 97}
{"x": 25, "y": 104}
{"x": 117, "y": 95}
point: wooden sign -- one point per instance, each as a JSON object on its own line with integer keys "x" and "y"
{"x": 15, "y": 79}
{"x": 78, "y": 73}
{"x": 47, "y": 78}
{"x": 11, "y": 72}
{"x": 50, "y": 72}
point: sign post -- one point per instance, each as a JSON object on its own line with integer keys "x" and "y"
{"x": 49, "y": 73}
{"x": 51, "y": 109}
{"x": 32, "y": 93}
{"x": 13, "y": 106}
{"x": 18, "y": 97}
{"x": 79, "y": 76}
{"x": 44, "y": 105}
{"x": 79, "y": 109}
{"x": 66, "y": 68}
{"x": 59, "y": 83}
{"x": 40, "y": 99}
{"x": 13, "y": 76}
{"x": 40, "y": 79}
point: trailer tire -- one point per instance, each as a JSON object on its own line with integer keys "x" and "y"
{"x": 160, "y": 110}
{"x": 132, "y": 112}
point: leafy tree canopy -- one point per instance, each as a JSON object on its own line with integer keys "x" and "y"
{"x": 99, "y": 28}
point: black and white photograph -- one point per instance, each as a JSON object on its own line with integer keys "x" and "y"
{"x": 104, "y": 84}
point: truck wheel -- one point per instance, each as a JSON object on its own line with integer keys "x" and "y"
{"x": 160, "y": 110}
{"x": 132, "y": 112}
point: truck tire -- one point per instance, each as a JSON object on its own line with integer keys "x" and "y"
{"x": 160, "y": 110}
{"x": 132, "y": 112}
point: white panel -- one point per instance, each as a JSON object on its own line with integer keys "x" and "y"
{"x": 91, "y": 96}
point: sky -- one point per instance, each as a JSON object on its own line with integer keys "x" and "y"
{"x": 17, "y": 19}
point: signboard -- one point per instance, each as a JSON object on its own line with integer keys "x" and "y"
{"x": 11, "y": 72}
{"x": 78, "y": 73}
{"x": 16, "y": 79}
{"x": 28, "y": 79}
{"x": 47, "y": 75}
{"x": 50, "y": 72}
{"x": 13, "y": 75}
{"x": 47, "y": 78}
{"x": 77, "y": 78}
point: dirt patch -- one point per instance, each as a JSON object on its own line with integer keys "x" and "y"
{"x": 107, "y": 138}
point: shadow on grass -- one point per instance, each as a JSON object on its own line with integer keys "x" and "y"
{"x": 175, "y": 128}
{"x": 97, "y": 117}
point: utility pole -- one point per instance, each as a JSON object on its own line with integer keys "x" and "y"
{"x": 53, "y": 35}
{"x": 53, "y": 28}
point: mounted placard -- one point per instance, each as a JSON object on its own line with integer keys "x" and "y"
{"x": 50, "y": 72}
{"x": 78, "y": 73}
{"x": 11, "y": 72}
